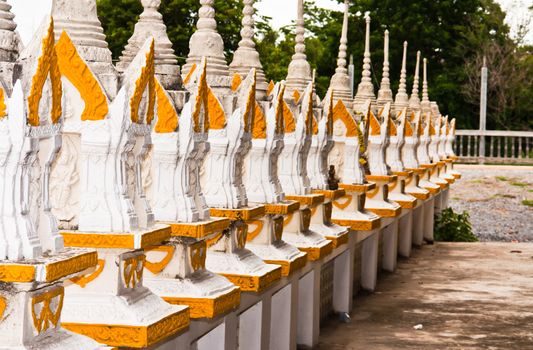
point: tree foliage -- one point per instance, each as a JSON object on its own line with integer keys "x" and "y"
{"x": 452, "y": 34}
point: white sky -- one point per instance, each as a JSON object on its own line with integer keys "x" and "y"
{"x": 29, "y": 13}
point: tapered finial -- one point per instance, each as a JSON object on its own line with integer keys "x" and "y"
{"x": 246, "y": 56}
{"x": 385, "y": 92}
{"x": 414, "y": 101}
{"x": 299, "y": 72}
{"x": 340, "y": 82}
{"x": 366, "y": 60}
{"x": 402, "y": 100}
{"x": 341, "y": 61}
{"x": 365, "y": 90}
{"x": 425, "y": 104}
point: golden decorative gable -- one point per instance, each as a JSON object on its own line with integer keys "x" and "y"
{"x": 167, "y": 117}
{"x": 47, "y": 66}
{"x": 201, "y": 99}
{"x": 341, "y": 113}
{"x": 280, "y": 109}
{"x": 375, "y": 127}
{"x": 72, "y": 66}
{"x": 3, "y": 108}
{"x": 288, "y": 118}
{"x": 236, "y": 82}
{"x": 145, "y": 81}
{"x": 259, "y": 125}
{"x": 217, "y": 117}
{"x": 296, "y": 96}
{"x": 189, "y": 75}
{"x": 270, "y": 88}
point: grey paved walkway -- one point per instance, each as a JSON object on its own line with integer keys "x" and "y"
{"x": 466, "y": 296}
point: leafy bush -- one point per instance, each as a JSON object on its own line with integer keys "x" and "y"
{"x": 453, "y": 227}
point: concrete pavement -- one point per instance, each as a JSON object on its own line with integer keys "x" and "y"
{"x": 465, "y": 295}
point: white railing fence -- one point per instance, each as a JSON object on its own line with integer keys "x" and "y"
{"x": 494, "y": 146}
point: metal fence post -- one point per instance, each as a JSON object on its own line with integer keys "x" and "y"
{"x": 483, "y": 112}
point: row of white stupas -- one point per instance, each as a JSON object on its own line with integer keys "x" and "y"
{"x": 144, "y": 207}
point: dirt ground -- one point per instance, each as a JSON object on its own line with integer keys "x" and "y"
{"x": 465, "y": 296}
{"x": 499, "y": 200}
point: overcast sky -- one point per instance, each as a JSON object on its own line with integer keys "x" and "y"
{"x": 29, "y": 13}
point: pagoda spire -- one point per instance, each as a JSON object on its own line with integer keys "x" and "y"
{"x": 299, "y": 72}
{"x": 340, "y": 82}
{"x": 414, "y": 101}
{"x": 425, "y": 104}
{"x": 385, "y": 92}
{"x": 207, "y": 42}
{"x": 402, "y": 99}
{"x": 246, "y": 56}
{"x": 365, "y": 90}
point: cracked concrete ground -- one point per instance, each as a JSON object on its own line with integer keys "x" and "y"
{"x": 465, "y": 295}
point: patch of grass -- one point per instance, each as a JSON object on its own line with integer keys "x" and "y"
{"x": 519, "y": 184}
{"x": 528, "y": 202}
{"x": 502, "y": 178}
{"x": 453, "y": 227}
{"x": 530, "y": 190}
{"x": 478, "y": 181}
